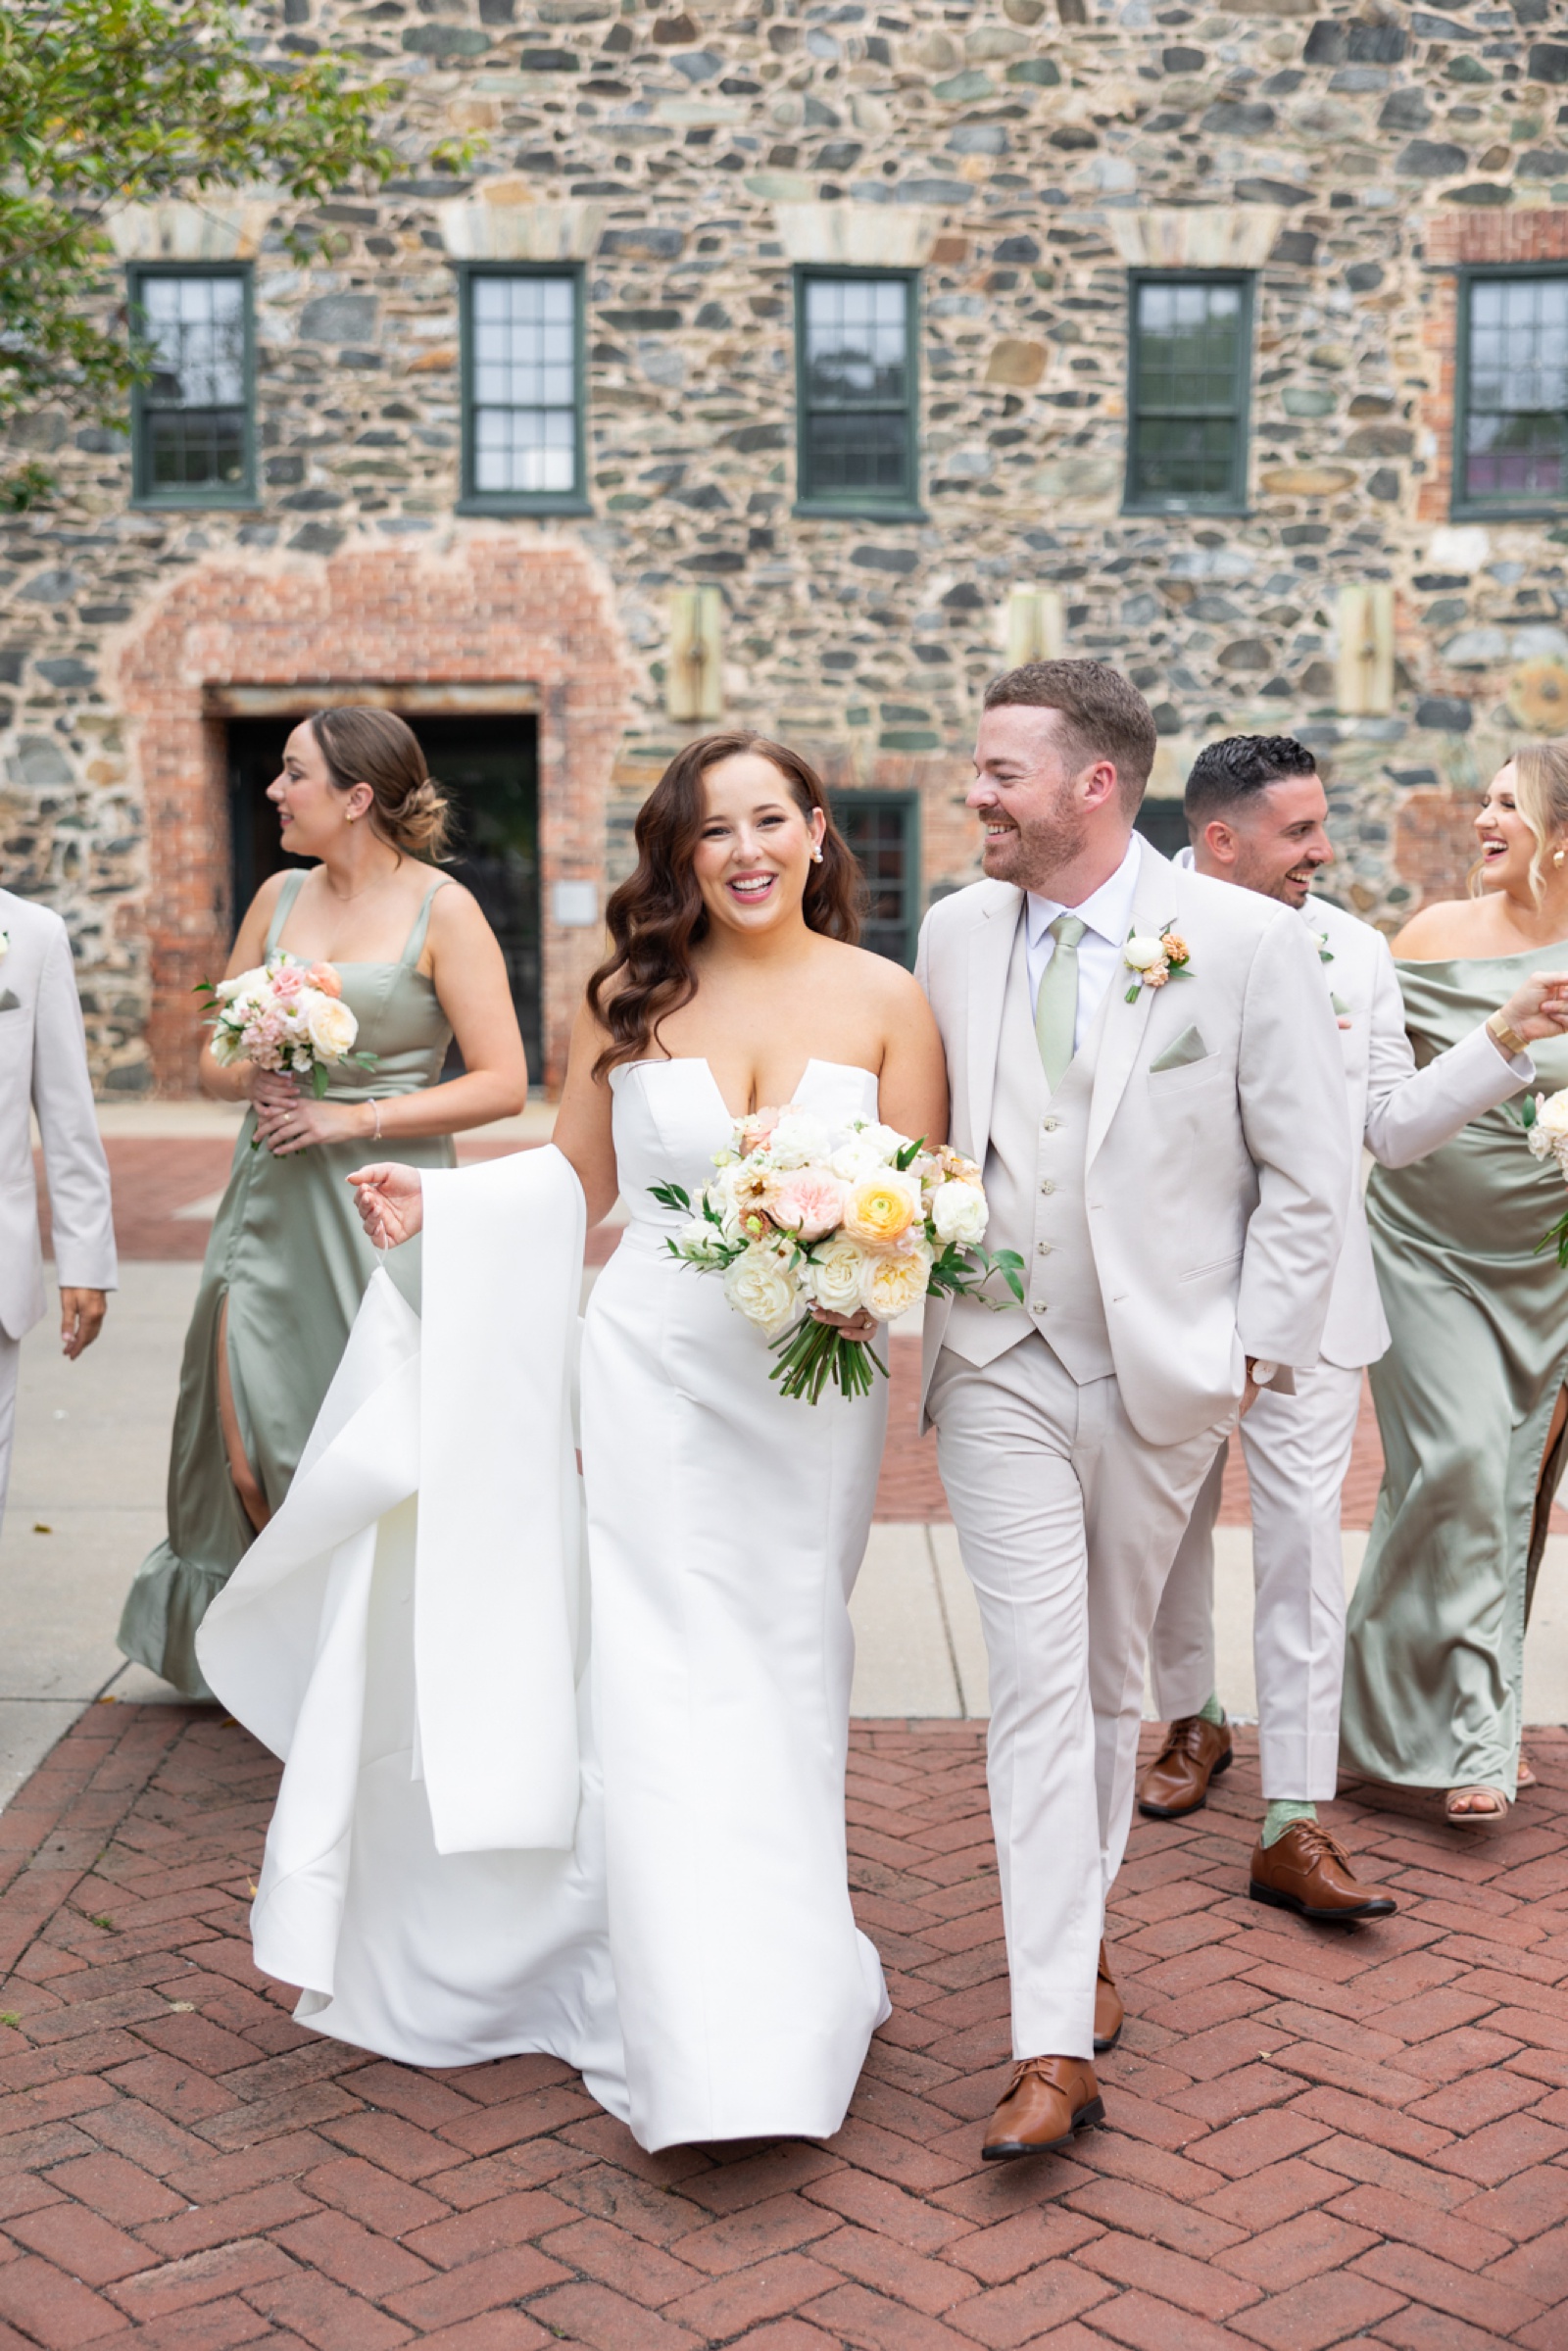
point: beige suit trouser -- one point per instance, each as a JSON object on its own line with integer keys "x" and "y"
{"x": 1069, "y": 1521}
{"x": 10, "y": 1365}
{"x": 1297, "y": 1451}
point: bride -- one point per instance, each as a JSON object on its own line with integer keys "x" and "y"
{"x": 725, "y": 1524}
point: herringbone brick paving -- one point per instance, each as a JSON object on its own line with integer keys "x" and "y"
{"x": 1318, "y": 2135}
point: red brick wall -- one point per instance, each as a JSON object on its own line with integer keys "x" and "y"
{"x": 1436, "y": 843}
{"x": 493, "y": 610}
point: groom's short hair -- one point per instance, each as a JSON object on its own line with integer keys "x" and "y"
{"x": 1106, "y": 719}
{"x": 1226, "y": 775}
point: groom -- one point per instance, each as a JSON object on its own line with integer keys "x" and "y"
{"x": 1146, "y": 1068}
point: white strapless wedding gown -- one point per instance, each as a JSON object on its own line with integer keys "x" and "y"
{"x": 726, "y": 1526}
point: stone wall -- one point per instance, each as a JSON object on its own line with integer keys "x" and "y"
{"x": 1024, "y": 155}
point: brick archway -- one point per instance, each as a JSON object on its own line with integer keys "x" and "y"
{"x": 494, "y": 611}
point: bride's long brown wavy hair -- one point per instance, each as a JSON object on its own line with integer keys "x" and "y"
{"x": 656, "y": 917}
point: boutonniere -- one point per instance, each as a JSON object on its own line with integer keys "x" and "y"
{"x": 5, "y": 944}
{"x": 1320, "y": 940}
{"x": 1154, "y": 960}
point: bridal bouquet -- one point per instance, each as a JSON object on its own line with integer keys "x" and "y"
{"x": 1544, "y": 1117}
{"x": 803, "y": 1214}
{"x": 284, "y": 1014}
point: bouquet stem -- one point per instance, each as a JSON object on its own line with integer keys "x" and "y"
{"x": 814, "y": 1353}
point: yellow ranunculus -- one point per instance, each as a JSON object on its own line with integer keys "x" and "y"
{"x": 881, "y": 1208}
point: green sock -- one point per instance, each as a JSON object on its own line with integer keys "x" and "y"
{"x": 1211, "y": 1711}
{"x": 1281, "y": 1815}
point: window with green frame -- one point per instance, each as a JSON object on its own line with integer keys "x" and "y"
{"x": 1511, "y": 414}
{"x": 857, "y": 342}
{"x": 883, "y": 828}
{"x": 1190, "y": 367}
{"x": 523, "y": 391}
{"x": 192, "y": 429}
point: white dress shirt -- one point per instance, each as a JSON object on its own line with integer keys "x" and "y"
{"x": 1109, "y": 915}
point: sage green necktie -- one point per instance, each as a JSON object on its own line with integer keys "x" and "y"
{"x": 1056, "y": 1005}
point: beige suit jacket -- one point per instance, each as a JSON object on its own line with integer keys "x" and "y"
{"x": 43, "y": 1068}
{"x": 1216, "y": 1186}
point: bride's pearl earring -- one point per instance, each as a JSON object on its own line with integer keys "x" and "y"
{"x": 817, "y": 856}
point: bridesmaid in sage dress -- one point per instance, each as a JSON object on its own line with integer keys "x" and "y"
{"x": 287, "y": 1261}
{"x": 1470, "y": 1396}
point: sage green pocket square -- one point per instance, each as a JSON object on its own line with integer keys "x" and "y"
{"x": 1188, "y": 1047}
{"x": 7, "y": 1002}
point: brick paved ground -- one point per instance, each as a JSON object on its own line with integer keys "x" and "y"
{"x": 1318, "y": 2136}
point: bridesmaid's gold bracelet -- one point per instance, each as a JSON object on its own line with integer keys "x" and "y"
{"x": 1513, "y": 1045}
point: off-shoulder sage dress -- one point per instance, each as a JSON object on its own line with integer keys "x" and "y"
{"x": 1434, "y": 1660}
{"x": 289, "y": 1255}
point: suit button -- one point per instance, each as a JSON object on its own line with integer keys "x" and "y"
{"x": 1049, "y": 1126}
{"x": 1043, "y": 1248}
{"x": 1038, "y": 1307}
{"x": 1047, "y": 1185}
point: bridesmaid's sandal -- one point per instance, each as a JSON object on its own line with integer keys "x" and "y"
{"x": 1525, "y": 1777}
{"x": 1460, "y": 1814}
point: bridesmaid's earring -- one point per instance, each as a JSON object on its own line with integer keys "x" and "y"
{"x": 1557, "y": 856}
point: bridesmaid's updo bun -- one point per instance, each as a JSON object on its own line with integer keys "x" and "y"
{"x": 363, "y": 744}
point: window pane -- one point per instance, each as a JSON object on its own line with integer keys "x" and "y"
{"x": 1516, "y": 423}
{"x": 1186, "y": 425}
{"x": 193, "y": 405}
{"x": 882, "y": 838}
{"x": 524, "y": 386}
{"x": 857, "y": 388}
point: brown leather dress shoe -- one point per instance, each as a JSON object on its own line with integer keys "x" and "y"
{"x": 1195, "y": 1753}
{"x": 1048, "y": 2101}
{"x": 1309, "y": 1871}
{"x": 1109, "y": 2014}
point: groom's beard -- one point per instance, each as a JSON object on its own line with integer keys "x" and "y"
{"x": 1032, "y": 856}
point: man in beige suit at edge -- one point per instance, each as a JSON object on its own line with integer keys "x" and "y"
{"x": 1164, "y": 1143}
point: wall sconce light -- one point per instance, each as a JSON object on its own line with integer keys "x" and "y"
{"x": 1364, "y": 677}
{"x": 695, "y": 685}
{"x": 1036, "y": 625}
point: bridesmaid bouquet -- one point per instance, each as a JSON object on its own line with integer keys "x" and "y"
{"x": 803, "y": 1214}
{"x": 1544, "y": 1117}
{"x": 288, "y": 1015}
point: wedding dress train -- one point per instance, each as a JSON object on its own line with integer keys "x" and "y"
{"x": 483, "y": 1842}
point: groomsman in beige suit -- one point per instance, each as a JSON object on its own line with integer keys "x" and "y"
{"x": 43, "y": 1070}
{"x": 1146, "y": 1068}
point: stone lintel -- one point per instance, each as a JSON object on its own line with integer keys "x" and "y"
{"x": 295, "y": 701}
{"x": 1197, "y": 237}
{"x": 501, "y": 222}
{"x": 858, "y": 236}
{"x": 214, "y": 228}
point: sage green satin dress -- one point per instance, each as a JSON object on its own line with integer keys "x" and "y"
{"x": 1434, "y": 1662}
{"x": 289, "y": 1255}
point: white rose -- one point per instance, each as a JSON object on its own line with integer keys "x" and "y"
{"x": 248, "y": 984}
{"x": 798, "y": 1140}
{"x": 699, "y": 1240}
{"x": 961, "y": 1213}
{"x": 1144, "y": 954}
{"x": 832, "y": 1276}
{"x": 226, "y": 1048}
{"x": 758, "y": 1287}
{"x": 853, "y": 1160}
{"x": 894, "y": 1281}
{"x": 329, "y": 1024}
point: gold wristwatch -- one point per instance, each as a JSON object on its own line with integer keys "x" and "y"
{"x": 1512, "y": 1043}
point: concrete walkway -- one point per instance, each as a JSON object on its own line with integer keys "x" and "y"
{"x": 87, "y": 1504}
